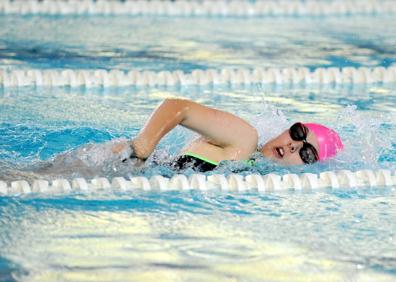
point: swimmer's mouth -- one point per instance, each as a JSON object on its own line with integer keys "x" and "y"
{"x": 279, "y": 152}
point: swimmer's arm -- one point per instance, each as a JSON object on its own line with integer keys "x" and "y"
{"x": 223, "y": 129}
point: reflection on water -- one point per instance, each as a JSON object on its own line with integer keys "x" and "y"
{"x": 83, "y": 239}
{"x": 196, "y": 43}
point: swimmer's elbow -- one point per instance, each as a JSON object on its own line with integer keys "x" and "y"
{"x": 248, "y": 145}
{"x": 174, "y": 102}
{"x": 179, "y": 107}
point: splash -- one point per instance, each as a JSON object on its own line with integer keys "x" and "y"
{"x": 365, "y": 137}
{"x": 270, "y": 123}
{"x": 90, "y": 160}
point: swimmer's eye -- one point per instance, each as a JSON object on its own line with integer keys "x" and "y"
{"x": 308, "y": 154}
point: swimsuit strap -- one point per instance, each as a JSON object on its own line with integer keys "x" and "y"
{"x": 250, "y": 162}
{"x": 201, "y": 158}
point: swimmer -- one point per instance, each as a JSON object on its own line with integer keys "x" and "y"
{"x": 224, "y": 136}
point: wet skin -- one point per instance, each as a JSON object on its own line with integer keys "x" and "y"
{"x": 284, "y": 150}
{"x": 223, "y": 136}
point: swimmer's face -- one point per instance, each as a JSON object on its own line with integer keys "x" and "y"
{"x": 284, "y": 150}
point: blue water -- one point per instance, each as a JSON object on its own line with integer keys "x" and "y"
{"x": 151, "y": 43}
{"x": 336, "y": 235}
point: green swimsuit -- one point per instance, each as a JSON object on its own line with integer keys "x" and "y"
{"x": 198, "y": 163}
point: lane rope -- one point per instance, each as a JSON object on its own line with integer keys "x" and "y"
{"x": 199, "y": 8}
{"x": 234, "y": 182}
{"x": 270, "y": 76}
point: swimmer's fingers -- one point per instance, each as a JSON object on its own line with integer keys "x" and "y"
{"x": 124, "y": 151}
{"x": 118, "y": 148}
{"x": 129, "y": 153}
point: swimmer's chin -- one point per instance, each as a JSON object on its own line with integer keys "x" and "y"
{"x": 275, "y": 155}
{"x": 267, "y": 153}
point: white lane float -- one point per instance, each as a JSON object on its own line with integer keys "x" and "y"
{"x": 242, "y": 76}
{"x": 205, "y": 8}
{"x": 342, "y": 179}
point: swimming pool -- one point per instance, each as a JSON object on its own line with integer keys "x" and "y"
{"x": 107, "y": 234}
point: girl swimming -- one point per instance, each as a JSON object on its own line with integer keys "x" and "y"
{"x": 224, "y": 136}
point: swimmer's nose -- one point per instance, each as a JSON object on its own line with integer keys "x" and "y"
{"x": 295, "y": 146}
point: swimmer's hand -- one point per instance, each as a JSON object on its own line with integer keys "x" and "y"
{"x": 125, "y": 151}
{"x": 119, "y": 147}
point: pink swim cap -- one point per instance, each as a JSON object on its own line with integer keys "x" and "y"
{"x": 329, "y": 140}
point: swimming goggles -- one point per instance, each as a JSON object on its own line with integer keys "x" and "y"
{"x": 308, "y": 153}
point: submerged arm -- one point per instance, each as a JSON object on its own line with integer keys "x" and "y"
{"x": 221, "y": 128}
